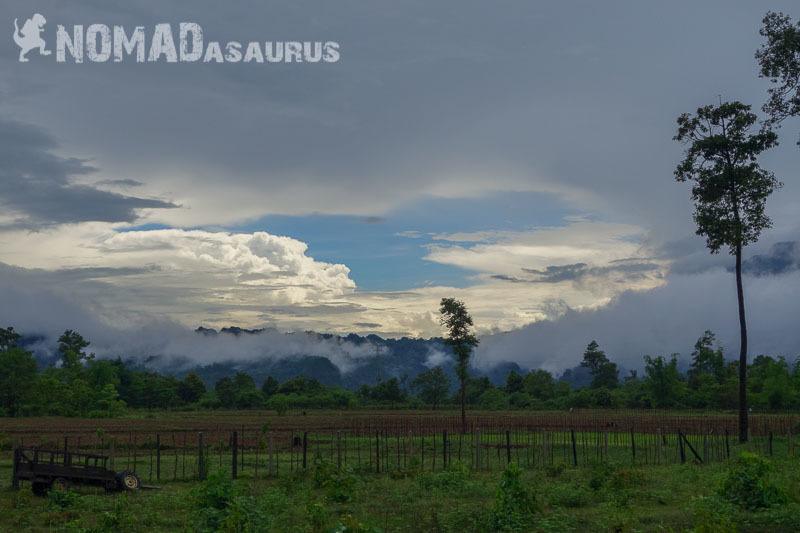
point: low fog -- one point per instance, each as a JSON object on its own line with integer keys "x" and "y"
{"x": 662, "y": 321}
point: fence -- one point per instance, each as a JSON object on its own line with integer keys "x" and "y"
{"x": 385, "y": 447}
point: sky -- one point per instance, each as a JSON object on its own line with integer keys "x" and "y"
{"x": 516, "y": 155}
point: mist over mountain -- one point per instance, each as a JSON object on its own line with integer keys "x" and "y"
{"x": 377, "y": 358}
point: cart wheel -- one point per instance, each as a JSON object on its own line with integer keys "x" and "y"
{"x": 60, "y": 483}
{"x": 129, "y": 481}
{"x": 39, "y": 488}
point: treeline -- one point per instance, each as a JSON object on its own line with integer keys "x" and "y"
{"x": 82, "y": 385}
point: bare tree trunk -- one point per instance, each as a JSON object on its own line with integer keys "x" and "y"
{"x": 743, "y": 420}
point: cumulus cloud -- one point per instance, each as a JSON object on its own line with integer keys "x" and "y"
{"x": 194, "y": 277}
{"x": 38, "y": 303}
{"x": 277, "y": 265}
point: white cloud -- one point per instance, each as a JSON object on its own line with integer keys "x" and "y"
{"x": 511, "y": 252}
{"x": 193, "y": 276}
{"x": 255, "y": 279}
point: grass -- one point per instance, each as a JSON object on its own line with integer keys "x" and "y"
{"x": 611, "y": 497}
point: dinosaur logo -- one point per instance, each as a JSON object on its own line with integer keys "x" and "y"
{"x": 29, "y": 36}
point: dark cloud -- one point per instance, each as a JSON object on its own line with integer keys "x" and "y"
{"x": 631, "y": 269}
{"x": 119, "y": 183}
{"x": 782, "y": 257}
{"x": 37, "y": 188}
{"x": 368, "y": 325}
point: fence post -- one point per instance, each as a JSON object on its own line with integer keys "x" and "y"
{"x": 158, "y": 456}
{"x": 235, "y": 454}
{"x": 269, "y": 455}
{"x": 574, "y": 448}
{"x": 444, "y": 449}
{"x": 691, "y": 448}
{"x": 305, "y": 449}
{"x": 478, "y": 449}
{"x": 14, "y": 478}
{"x": 727, "y": 445}
{"x": 508, "y": 447}
{"x": 377, "y": 452}
{"x": 201, "y": 460}
{"x": 339, "y": 450}
{"x": 681, "y": 448}
{"x": 770, "y": 443}
{"x": 633, "y": 447}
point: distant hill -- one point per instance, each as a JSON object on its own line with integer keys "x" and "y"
{"x": 401, "y": 358}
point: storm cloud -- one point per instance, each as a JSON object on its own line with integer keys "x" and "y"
{"x": 37, "y": 187}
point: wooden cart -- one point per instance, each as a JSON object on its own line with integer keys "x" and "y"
{"x": 48, "y": 469}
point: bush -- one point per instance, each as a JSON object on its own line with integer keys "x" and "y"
{"x": 62, "y": 499}
{"x": 747, "y": 483}
{"x": 712, "y": 515}
{"x": 118, "y": 518}
{"x": 348, "y": 524}
{"x": 339, "y": 484}
{"x": 571, "y": 496}
{"x": 279, "y": 403}
{"x": 555, "y": 470}
{"x": 599, "y": 475}
{"x": 455, "y": 478}
{"x": 222, "y": 506}
{"x": 212, "y": 499}
{"x": 514, "y": 506}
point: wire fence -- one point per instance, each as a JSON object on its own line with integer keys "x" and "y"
{"x": 405, "y": 444}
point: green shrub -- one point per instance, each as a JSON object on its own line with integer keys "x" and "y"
{"x": 223, "y": 506}
{"x": 213, "y": 498}
{"x": 348, "y": 524}
{"x": 747, "y": 484}
{"x": 514, "y": 506}
{"x": 62, "y": 499}
{"x": 599, "y": 475}
{"x": 279, "y": 403}
{"x": 625, "y": 478}
{"x": 712, "y": 515}
{"x": 117, "y": 519}
{"x": 318, "y": 515}
{"x": 339, "y": 483}
{"x": 555, "y": 470}
{"x": 455, "y": 478}
{"x": 243, "y": 515}
{"x": 570, "y": 496}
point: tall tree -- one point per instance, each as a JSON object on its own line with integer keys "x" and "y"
{"x": 706, "y": 360}
{"x": 663, "y": 380}
{"x": 17, "y": 378}
{"x": 433, "y": 386}
{"x": 604, "y": 372}
{"x": 729, "y": 190}
{"x": 8, "y": 338}
{"x": 71, "y": 345}
{"x": 779, "y": 60}
{"x": 270, "y": 386}
{"x": 191, "y": 388}
{"x": 455, "y": 318}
